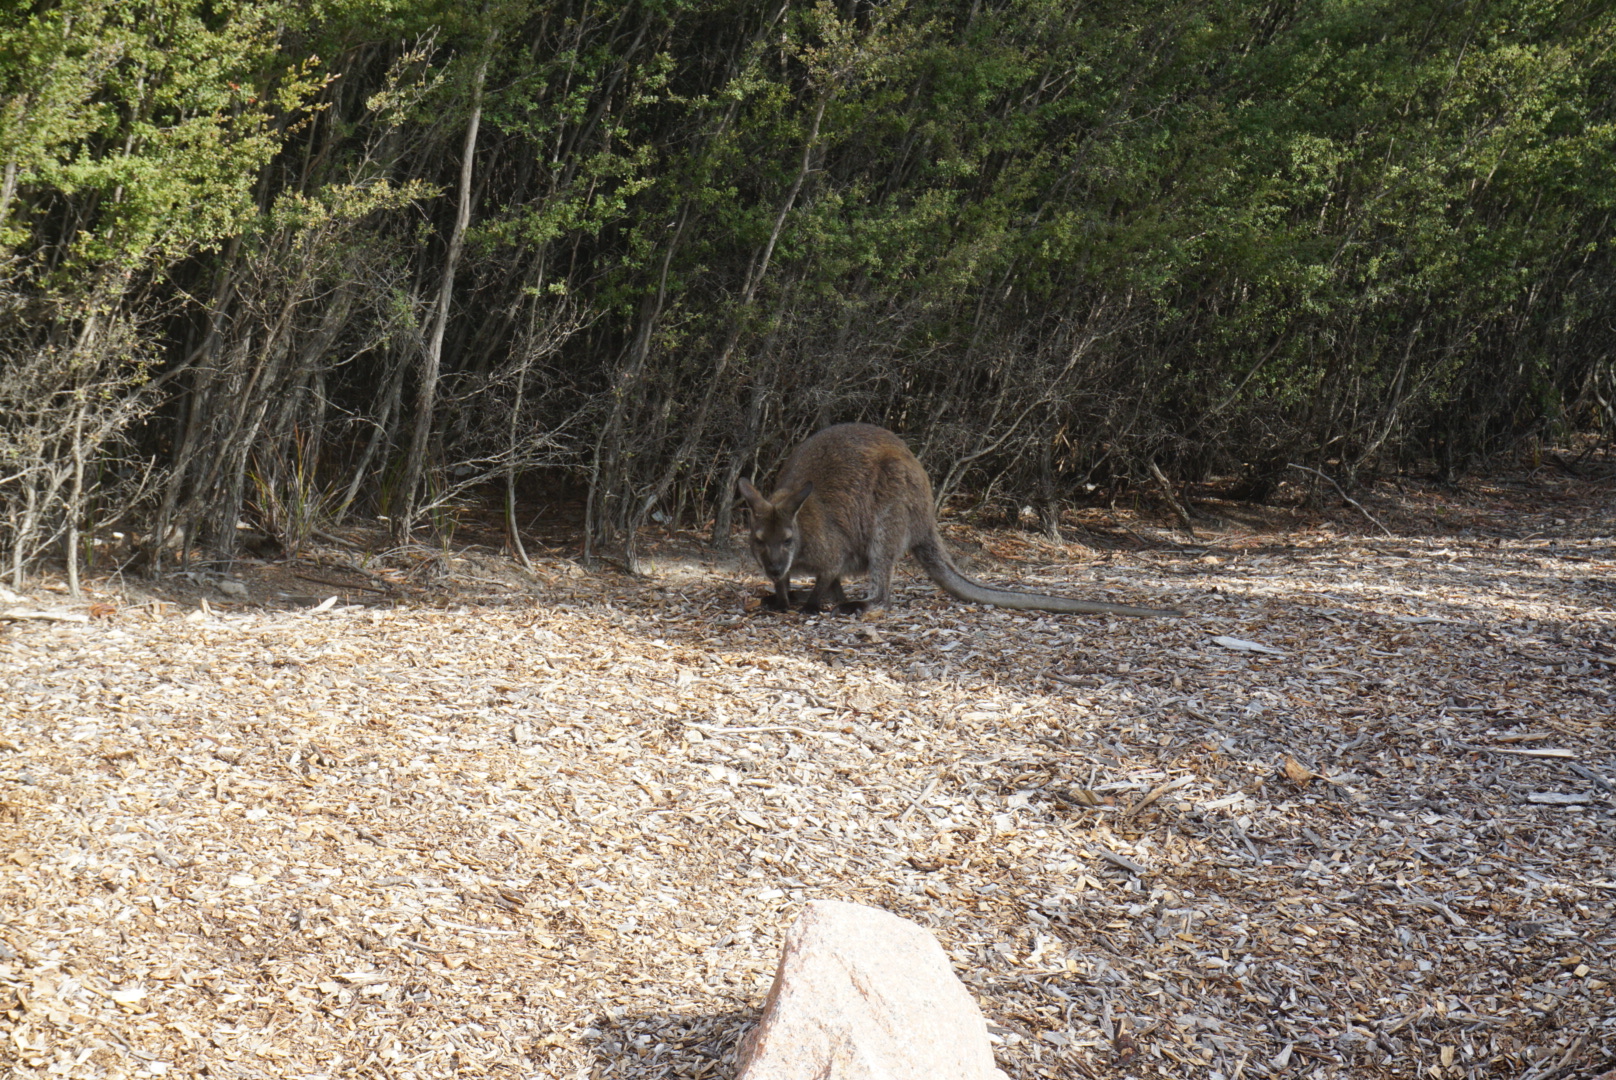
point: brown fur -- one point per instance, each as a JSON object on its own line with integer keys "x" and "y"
{"x": 852, "y": 499}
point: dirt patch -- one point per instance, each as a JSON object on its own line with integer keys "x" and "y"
{"x": 1352, "y": 816}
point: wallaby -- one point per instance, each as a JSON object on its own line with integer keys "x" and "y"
{"x": 853, "y": 499}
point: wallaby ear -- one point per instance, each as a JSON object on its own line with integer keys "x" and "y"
{"x": 753, "y": 498}
{"x": 793, "y": 502}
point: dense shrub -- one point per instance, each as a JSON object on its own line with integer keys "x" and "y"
{"x": 355, "y": 256}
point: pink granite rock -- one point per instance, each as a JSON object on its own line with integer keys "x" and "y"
{"x": 864, "y": 995}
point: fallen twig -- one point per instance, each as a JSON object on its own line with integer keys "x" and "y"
{"x": 19, "y": 614}
{"x": 1172, "y": 500}
{"x": 1344, "y": 495}
{"x": 714, "y": 729}
{"x": 1156, "y": 794}
{"x": 345, "y": 584}
{"x": 1119, "y": 860}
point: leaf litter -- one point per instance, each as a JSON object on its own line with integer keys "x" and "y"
{"x": 559, "y": 830}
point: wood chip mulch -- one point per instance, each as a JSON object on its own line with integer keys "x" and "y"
{"x": 1353, "y": 816}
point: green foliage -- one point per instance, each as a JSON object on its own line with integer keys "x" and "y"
{"x": 290, "y": 502}
{"x": 149, "y": 118}
{"x": 132, "y": 135}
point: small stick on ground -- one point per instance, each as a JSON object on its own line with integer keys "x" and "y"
{"x": 1172, "y": 500}
{"x": 1344, "y": 495}
{"x": 385, "y": 589}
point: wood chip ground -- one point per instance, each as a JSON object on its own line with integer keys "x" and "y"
{"x": 1351, "y": 817}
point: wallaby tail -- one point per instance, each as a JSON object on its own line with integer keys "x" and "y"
{"x": 932, "y": 555}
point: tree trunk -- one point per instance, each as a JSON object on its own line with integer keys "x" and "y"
{"x": 432, "y": 361}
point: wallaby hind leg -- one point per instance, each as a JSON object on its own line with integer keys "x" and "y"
{"x": 800, "y": 596}
{"x": 827, "y": 594}
{"x": 876, "y": 588}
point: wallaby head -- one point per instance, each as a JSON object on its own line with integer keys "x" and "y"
{"x": 775, "y": 536}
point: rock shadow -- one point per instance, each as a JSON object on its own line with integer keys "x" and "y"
{"x": 689, "y": 1045}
